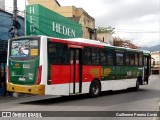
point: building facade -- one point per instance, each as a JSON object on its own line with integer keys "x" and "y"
{"x": 77, "y": 14}
{"x": 105, "y": 37}
{"x": 6, "y": 32}
{"x": 155, "y": 62}
{"x": 42, "y": 21}
{"x": 2, "y": 4}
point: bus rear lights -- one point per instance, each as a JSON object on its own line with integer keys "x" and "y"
{"x": 8, "y": 74}
{"x": 40, "y": 89}
{"x": 39, "y": 74}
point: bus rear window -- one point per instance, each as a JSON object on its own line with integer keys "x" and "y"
{"x": 24, "y": 49}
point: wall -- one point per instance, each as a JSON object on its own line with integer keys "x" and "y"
{"x": 105, "y": 37}
{"x": 2, "y": 4}
{"x": 50, "y": 4}
{"x": 87, "y": 22}
{"x": 155, "y": 62}
{"x": 6, "y": 24}
{"x": 42, "y": 21}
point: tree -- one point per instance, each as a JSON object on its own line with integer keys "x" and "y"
{"x": 108, "y": 29}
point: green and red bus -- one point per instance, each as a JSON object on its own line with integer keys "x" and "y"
{"x": 53, "y": 66}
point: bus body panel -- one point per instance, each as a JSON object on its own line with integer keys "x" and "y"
{"x": 23, "y": 64}
{"x": 23, "y": 73}
{"x": 57, "y": 89}
{"x": 118, "y": 84}
{"x": 29, "y": 89}
{"x": 69, "y": 78}
{"x": 43, "y": 60}
{"x": 60, "y": 74}
{"x": 90, "y": 73}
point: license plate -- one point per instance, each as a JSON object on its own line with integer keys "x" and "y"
{"x": 22, "y": 79}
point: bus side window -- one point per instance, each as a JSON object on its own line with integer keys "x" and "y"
{"x": 127, "y": 59}
{"x": 132, "y": 59}
{"x": 102, "y": 57}
{"x": 58, "y": 53}
{"x": 63, "y": 56}
{"x": 119, "y": 58}
{"x": 87, "y": 56}
{"x": 52, "y": 57}
{"x": 145, "y": 61}
{"x": 95, "y": 56}
{"x": 110, "y": 57}
{"x": 136, "y": 59}
{"x": 140, "y": 60}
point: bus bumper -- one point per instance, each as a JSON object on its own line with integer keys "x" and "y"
{"x": 28, "y": 89}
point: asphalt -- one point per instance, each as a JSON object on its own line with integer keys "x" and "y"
{"x": 13, "y": 97}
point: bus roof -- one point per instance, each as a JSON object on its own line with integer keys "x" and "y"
{"x": 145, "y": 52}
{"x": 95, "y": 42}
{"x": 89, "y": 41}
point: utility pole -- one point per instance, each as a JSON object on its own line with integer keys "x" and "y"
{"x": 14, "y": 18}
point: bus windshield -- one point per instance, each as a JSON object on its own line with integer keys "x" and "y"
{"x": 24, "y": 49}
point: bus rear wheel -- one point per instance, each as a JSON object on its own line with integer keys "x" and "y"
{"x": 95, "y": 89}
{"x": 136, "y": 88}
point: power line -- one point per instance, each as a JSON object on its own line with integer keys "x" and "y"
{"x": 137, "y": 31}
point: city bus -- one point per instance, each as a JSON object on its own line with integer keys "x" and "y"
{"x": 44, "y": 65}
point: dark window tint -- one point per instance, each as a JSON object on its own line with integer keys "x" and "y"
{"x": 110, "y": 57}
{"x": 136, "y": 59}
{"x": 132, "y": 59}
{"x": 103, "y": 58}
{"x": 119, "y": 58}
{"x": 140, "y": 59}
{"x": 87, "y": 56}
{"x": 127, "y": 58}
{"x": 95, "y": 56}
{"x": 145, "y": 61}
{"x": 58, "y": 53}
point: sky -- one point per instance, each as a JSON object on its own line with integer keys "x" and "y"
{"x": 134, "y": 20}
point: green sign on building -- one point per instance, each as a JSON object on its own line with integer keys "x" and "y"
{"x": 42, "y": 21}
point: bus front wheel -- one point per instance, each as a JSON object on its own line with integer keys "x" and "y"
{"x": 95, "y": 89}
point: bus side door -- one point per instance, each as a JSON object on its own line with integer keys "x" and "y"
{"x": 76, "y": 70}
{"x": 147, "y": 67}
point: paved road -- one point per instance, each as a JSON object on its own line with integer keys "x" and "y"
{"x": 147, "y": 99}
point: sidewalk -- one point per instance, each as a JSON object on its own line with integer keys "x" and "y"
{"x": 26, "y": 97}
{"x": 12, "y": 97}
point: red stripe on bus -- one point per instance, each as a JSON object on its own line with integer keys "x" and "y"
{"x": 75, "y": 43}
{"x": 61, "y": 74}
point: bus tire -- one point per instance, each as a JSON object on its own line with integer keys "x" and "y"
{"x": 95, "y": 89}
{"x": 136, "y": 88}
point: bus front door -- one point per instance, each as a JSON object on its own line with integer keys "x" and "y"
{"x": 147, "y": 68}
{"x": 76, "y": 70}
